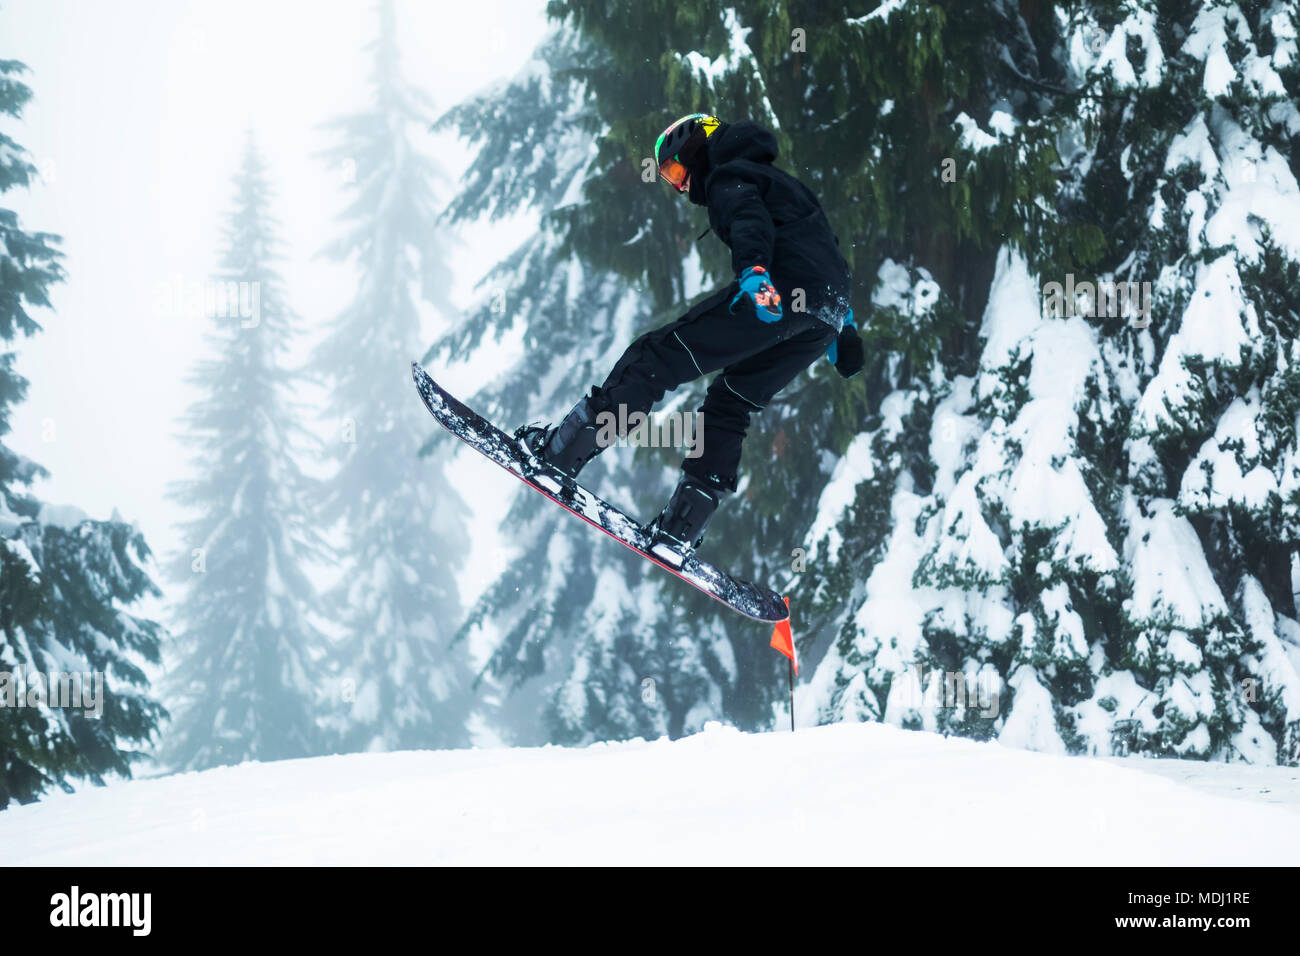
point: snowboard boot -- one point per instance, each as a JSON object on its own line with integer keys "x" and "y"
{"x": 567, "y": 447}
{"x": 679, "y": 529}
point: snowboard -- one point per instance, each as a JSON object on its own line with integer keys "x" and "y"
{"x": 751, "y": 600}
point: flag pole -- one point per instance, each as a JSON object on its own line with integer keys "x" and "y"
{"x": 790, "y": 667}
{"x": 783, "y": 641}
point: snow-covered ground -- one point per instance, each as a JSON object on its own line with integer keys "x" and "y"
{"x": 843, "y": 794}
{"x": 1278, "y": 785}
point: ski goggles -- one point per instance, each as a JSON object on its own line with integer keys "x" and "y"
{"x": 675, "y": 174}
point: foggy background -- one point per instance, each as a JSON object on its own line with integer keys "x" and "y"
{"x": 138, "y": 121}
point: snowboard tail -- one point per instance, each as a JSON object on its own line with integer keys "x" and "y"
{"x": 751, "y": 600}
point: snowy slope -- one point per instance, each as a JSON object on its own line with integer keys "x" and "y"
{"x": 1261, "y": 784}
{"x": 845, "y": 793}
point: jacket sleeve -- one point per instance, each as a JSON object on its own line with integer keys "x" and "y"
{"x": 744, "y": 219}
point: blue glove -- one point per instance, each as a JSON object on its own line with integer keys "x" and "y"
{"x": 850, "y": 362}
{"x": 762, "y": 295}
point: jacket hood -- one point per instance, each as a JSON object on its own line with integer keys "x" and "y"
{"x": 743, "y": 139}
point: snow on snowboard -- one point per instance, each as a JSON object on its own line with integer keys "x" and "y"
{"x": 751, "y": 600}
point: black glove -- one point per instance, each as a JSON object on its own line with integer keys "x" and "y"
{"x": 846, "y": 352}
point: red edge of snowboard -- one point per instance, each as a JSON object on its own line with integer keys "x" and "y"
{"x": 417, "y": 371}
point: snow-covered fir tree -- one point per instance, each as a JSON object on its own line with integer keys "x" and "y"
{"x": 69, "y": 583}
{"x": 1204, "y": 203}
{"x": 402, "y": 683}
{"x": 1085, "y": 540}
{"x": 249, "y": 681}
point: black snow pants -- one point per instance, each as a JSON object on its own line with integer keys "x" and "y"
{"x": 755, "y": 360}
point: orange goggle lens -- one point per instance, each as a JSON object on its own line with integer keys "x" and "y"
{"x": 674, "y": 174}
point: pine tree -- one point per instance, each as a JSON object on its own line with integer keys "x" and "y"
{"x": 250, "y": 673}
{"x": 404, "y": 683}
{"x": 1086, "y": 550}
{"x": 933, "y": 531}
{"x": 1202, "y": 140}
{"x": 68, "y": 582}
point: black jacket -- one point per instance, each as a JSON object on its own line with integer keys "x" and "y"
{"x": 770, "y": 219}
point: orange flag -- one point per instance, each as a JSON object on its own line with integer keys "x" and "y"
{"x": 783, "y": 640}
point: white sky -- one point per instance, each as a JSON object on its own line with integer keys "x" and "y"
{"x": 137, "y": 122}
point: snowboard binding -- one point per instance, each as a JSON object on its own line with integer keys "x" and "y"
{"x": 679, "y": 529}
{"x": 565, "y": 448}
{"x": 531, "y": 439}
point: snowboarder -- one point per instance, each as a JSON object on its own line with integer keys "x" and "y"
{"x": 784, "y": 254}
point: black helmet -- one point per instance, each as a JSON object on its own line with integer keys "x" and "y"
{"x": 679, "y": 145}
